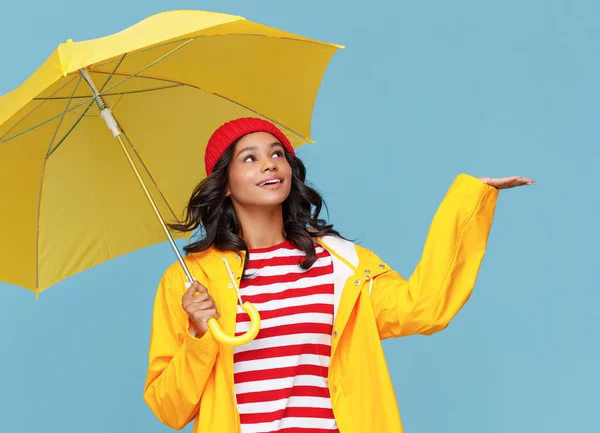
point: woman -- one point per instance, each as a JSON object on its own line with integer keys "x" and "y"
{"x": 317, "y": 364}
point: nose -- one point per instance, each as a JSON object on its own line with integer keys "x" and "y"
{"x": 269, "y": 165}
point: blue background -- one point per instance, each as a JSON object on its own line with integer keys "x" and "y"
{"x": 423, "y": 91}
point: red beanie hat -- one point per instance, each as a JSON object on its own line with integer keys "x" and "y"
{"x": 231, "y": 131}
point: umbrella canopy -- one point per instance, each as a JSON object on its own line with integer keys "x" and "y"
{"x": 69, "y": 199}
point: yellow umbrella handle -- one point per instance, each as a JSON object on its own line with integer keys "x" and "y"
{"x": 240, "y": 340}
{"x": 220, "y": 336}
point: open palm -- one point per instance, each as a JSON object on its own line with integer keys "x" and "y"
{"x": 507, "y": 182}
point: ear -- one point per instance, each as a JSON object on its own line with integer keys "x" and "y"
{"x": 227, "y": 191}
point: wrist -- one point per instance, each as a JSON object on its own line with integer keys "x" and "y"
{"x": 194, "y": 331}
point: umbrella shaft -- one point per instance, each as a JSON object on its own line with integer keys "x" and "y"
{"x": 97, "y": 97}
{"x": 112, "y": 124}
{"x": 154, "y": 208}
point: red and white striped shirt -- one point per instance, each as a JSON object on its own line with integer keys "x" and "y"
{"x": 281, "y": 377}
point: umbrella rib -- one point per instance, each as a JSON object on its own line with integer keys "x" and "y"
{"x": 62, "y": 140}
{"x": 62, "y": 118}
{"x": 50, "y": 152}
{"x": 110, "y": 88}
{"x": 30, "y": 113}
{"x": 41, "y": 190}
{"x": 114, "y": 71}
{"x": 187, "y": 41}
{"x": 47, "y": 121}
{"x": 129, "y": 77}
{"x": 131, "y": 92}
{"x": 137, "y": 74}
{"x": 166, "y": 80}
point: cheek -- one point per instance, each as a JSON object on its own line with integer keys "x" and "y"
{"x": 286, "y": 169}
{"x": 238, "y": 181}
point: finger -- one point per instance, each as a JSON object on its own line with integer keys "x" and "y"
{"x": 523, "y": 180}
{"x": 189, "y": 305}
{"x": 194, "y": 288}
{"x": 191, "y": 289}
{"x": 203, "y": 315}
{"x": 498, "y": 182}
{"x": 218, "y": 315}
{"x": 515, "y": 183}
{"x": 206, "y": 305}
{"x": 520, "y": 182}
{"x": 200, "y": 288}
{"x": 199, "y": 306}
{"x": 200, "y": 297}
{"x": 507, "y": 181}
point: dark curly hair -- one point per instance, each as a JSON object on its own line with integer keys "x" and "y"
{"x": 211, "y": 210}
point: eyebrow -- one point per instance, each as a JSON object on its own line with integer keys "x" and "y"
{"x": 253, "y": 148}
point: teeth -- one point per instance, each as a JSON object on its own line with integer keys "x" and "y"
{"x": 270, "y": 182}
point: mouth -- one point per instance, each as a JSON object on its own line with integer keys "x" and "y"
{"x": 272, "y": 183}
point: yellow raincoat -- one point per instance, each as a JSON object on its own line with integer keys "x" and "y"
{"x": 190, "y": 378}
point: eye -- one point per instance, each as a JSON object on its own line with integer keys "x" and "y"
{"x": 249, "y": 158}
{"x": 278, "y": 153}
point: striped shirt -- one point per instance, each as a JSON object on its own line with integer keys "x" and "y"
{"x": 280, "y": 377}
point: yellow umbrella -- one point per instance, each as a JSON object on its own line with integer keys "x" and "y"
{"x": 69, "y": 199}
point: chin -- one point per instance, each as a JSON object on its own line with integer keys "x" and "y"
{"x": 272, "y": 199}
{"x": 271, "y": 202}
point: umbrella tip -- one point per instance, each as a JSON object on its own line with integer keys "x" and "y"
{"x": 69, "y": 41}
{"x": 37, "y": 293}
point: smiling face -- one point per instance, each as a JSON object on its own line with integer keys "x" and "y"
{"x": 259, "y": 173}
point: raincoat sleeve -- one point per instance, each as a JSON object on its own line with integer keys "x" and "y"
{"x": 445, "y": 276}
{"x": 179, "y": 364}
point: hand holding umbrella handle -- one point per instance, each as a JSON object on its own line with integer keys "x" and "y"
{"x": 213, "y": 324}
{"x": 222, "y": 337}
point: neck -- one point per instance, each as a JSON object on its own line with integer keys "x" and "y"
{"x": 261, "y": 227}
